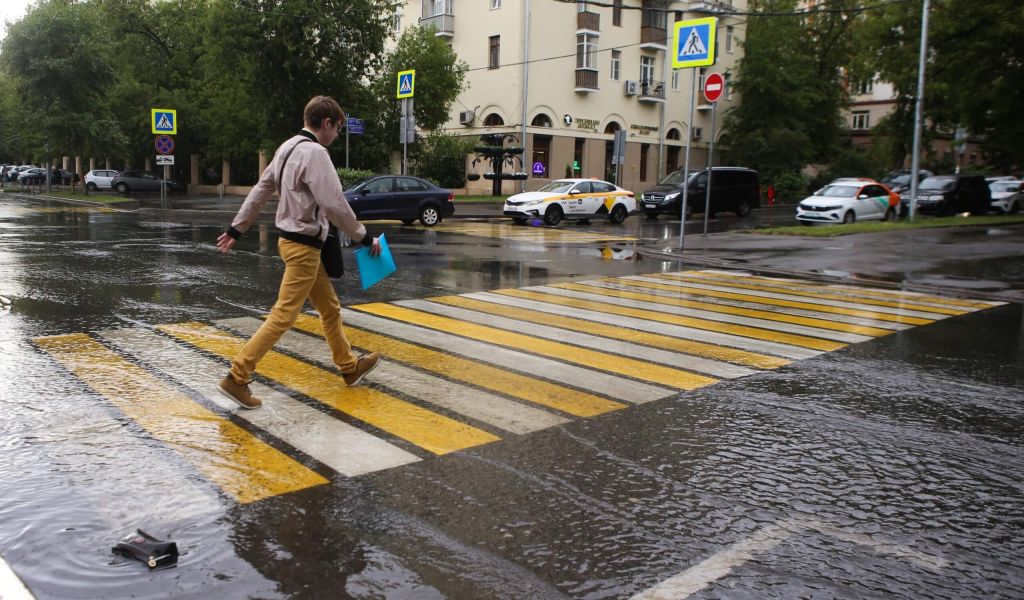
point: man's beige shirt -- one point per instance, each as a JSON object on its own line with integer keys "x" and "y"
{"x": 307, "y": 181}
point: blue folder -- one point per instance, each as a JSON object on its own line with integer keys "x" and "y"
{"x": 374, "y": 268}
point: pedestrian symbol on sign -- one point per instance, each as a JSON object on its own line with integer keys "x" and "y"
{"x": 694, "y": 46}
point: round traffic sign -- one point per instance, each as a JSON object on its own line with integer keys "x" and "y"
{"x": 714, "y": 85}
{"x": 164, "y": 144}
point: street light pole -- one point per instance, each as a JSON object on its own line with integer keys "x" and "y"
{"x": 915, "y": 161}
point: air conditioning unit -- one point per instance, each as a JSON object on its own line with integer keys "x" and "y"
{"x": 631, "y": 87}
{"x": 466, "y": 117}
{"x": 697, "y": 133}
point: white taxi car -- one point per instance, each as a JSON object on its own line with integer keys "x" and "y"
{"x": 847, "y": 201}
{"x": 581, "y": 199}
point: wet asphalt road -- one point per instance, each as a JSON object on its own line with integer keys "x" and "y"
{"x": 889, "y": 468}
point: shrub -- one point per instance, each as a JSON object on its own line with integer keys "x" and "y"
{"x": 349, "y": 177}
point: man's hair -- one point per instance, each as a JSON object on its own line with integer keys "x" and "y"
{"x": 320, "y": 108}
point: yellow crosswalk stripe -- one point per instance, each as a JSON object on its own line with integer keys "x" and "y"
{"x": 531, "y": 234}
{"x": 690, "y": 291}
{"x": 238, "y": 462}
{"x": 428, "y": 430}
{"x": 590, "y": 358}
{"x": 853, "y": 291}
{"x": 792, "y": 339}
{"x": 816, "y": 294}
{"x": 656, "y": 340}
{"x": 567, "y": 400}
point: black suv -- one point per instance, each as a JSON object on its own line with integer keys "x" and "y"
{"x": 733, "y": 189}
{"x": 948, "y": 195}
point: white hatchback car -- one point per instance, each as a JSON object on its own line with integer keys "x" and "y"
{"x": 99, "y": 179}
{"x": 1007, "y": 195}
{"x": 580, "y": 199}
{"x": 849, "y": 200}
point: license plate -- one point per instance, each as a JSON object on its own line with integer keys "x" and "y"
{"x": 649, "y": 205}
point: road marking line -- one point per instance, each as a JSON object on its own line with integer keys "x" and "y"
{"x": 853, "y": 291}
{"x": 599, "y": 303}
{"x": 476, "y": 404}
{"x": 531, "y": 234}
{"x": 11, "y": 586}
{"x": 590, "y": 358}
{"x": 758, "y": 307}
{"x": 342, "y": 447}
{"x": 238, "y": 462}
{"x": 820, "y": 304}
{"x": 720, "y": 564}
{"x": 640, "y": 331}
{"x": 495, "y": 379}
{"x": 602, "y": 384}
{"x": 611, "y": 339}
{"x": 428, "y": 430}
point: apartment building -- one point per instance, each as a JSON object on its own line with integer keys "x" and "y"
{"x": 563, "y": 77}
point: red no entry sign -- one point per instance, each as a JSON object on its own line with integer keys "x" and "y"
{"x": 714, "y": 85}
{"x": 164, "y": 144}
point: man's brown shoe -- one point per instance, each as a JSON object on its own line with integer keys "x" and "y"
{"x": 364, "y": 365}
{"x": 239, "y": 393}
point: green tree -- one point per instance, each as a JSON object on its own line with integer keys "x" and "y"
{"x": 441, "y": 158}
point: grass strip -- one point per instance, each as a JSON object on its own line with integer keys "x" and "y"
{"x": 830, "y": 230}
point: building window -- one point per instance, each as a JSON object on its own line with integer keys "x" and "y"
{"x": 495, "y": 3}
{"x": 541, "y": 156}
{"x": 577, "y": 157}
{"x": 493, "y": 120}
{"x": 701, "y": 72}
{"x": 397, "y": 26}
{"x": 586, "y": 51}
{"x": 581, "y": 5}
{"x": 645, "y": 149}
{"x": 617, "y": 13}
{"x": 646, "y": 69}
{"x": 653, "y": 16}
{"x": 541, "y": 120}
{"x": 866, "y": 87}
{"x": 494, "y": 52}
{"x": 675, "y": 79}
{"x": 861, "y": 121}
{"x": 433, "y": 8}
{"x": 616, "y": 64}
{"x": 728, "y": 86}
{"x": 728, "y": 39}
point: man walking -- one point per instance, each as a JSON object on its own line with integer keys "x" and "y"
{"x": 309, "y": 197}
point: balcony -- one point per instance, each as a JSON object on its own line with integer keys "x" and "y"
{"x": 710, "y": 6}
{"x": 586, "y": 81}
{"x": 652, "y": 38}
{"x": 588, "y": 21}
{"x": 443, "y": 23}
{"x": 651, "y": 91}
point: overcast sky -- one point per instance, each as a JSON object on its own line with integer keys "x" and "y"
{"x": 11, "y": 10}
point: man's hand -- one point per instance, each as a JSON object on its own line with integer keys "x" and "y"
{"x": 225, "y": 242}
{"x": 375, "y": 248}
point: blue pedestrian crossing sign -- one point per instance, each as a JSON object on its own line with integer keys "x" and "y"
{"x": 406, "y": 83}
{"x": 165, "y": 120}
{"x": 694, "y": 43}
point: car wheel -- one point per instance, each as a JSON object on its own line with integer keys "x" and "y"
{"x": 890, "y": 215}
{"x": 806, "y": 223}
{"x": 519, "y": 220}
{"x": 91, "y": 187}
{"x": 429, "y": 215}
{"x": 1014, "y": 208}
{"x": 408, "y": 221}
{"x": 689, "y": 210}
{"x": 849, "y": 217}
{"x": 743, "y": 208}
{"x": 122, "y": 188}
{"x": 652, "y": 216}
{"x": 618, "y": 214}
{"x": 169, "y": 188}
{"x": 553, "y": 216}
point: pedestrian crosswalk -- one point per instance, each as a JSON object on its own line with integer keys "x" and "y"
{"x": 463, "y": 371}
{"x": 532, "y": 234}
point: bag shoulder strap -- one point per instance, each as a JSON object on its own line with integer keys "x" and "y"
{"x": 280, "y": 171}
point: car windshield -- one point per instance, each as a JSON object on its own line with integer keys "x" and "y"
{"x": 897, "y": 180}
{"x": 558, "y": 187}
{"x": 673, "y": 178}
{"x": 837, "y": 191}
{"x": 939, "y": 184}
{"x": 1004, "y": 186}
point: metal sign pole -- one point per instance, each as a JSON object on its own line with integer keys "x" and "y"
{"x": 346, "y": 144}
{"x": 686, "y": 162}
{"x": 405, "y": 134}
{"x": 711, "y": 167}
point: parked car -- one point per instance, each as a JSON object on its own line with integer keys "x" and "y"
{"x": 32, "y": 176}
{"x": 949, "y": 195}
{"x": 100, "y": 179}
{"x": 733, "y": 189}
{"x": 400, "y": 197}
{"x": 1007, "y": 195}
{"x": 140, "y": 181}
{"x": 580, "y": 199}
{"x": 899, "y": 181}
{"x": 13, "y": 174}
{"x": 848, "y": 202}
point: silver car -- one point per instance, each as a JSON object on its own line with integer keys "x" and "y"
{"x": 99, "y": 179}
